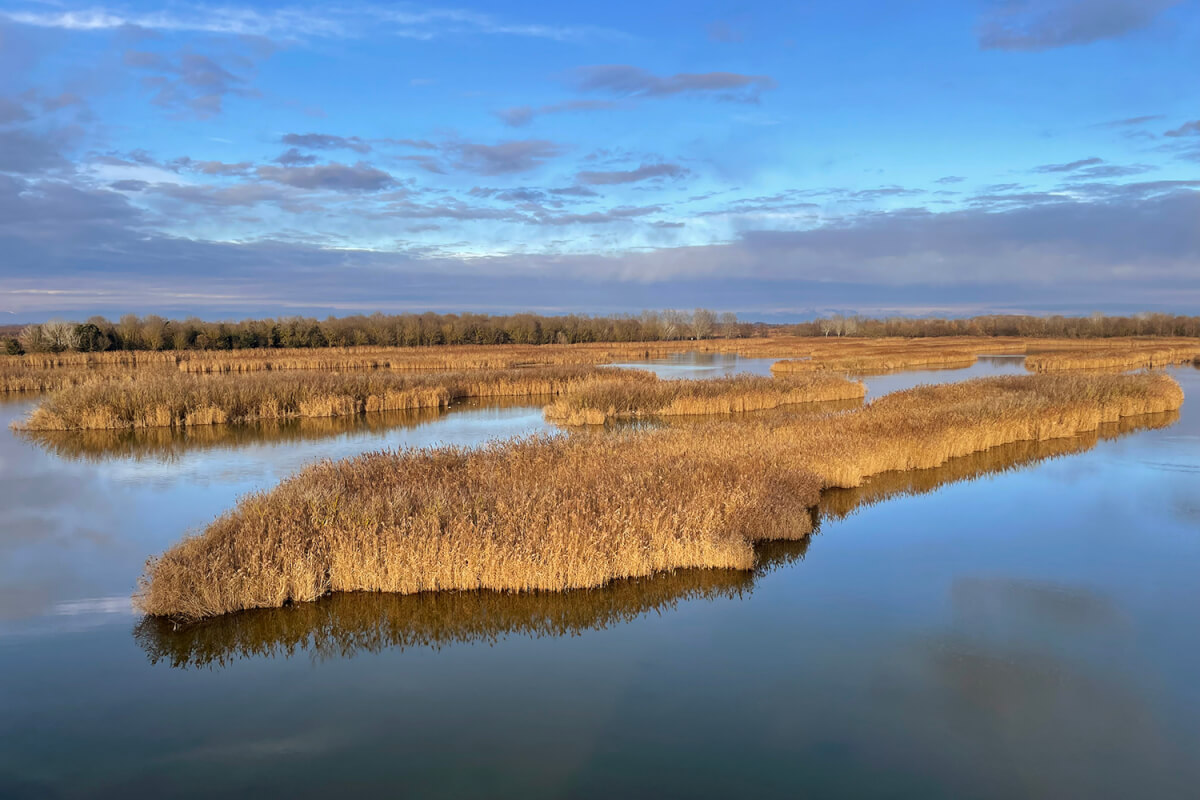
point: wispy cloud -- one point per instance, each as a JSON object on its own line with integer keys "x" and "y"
{"x": 642, "y": 173}
{"x": 1070, "y": 166}
{"x": 299, "y": 21}
{"x": 517, "y": 116}
{"x": 1186, "y": 129}
{"x": 1034, "y": 25}
{"x": 629, "y": 81}
{"x": 503, "y": 158}
{"x": 325, "y": 141}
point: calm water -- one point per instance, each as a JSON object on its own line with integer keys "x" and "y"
{"x": 1016, "y": 623}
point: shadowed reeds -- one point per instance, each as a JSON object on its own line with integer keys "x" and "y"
{"x": 558, "y": 513}
{"x": 349, "y": 623}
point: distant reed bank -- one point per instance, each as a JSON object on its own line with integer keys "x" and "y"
{"x": 596, "y": 401}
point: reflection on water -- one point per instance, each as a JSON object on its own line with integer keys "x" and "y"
{"x": 344, "y": 624}
{"x": 1028, "y": 635}
{"x": 170, "y": 444}
{"x": 839, "y": 502}
{"x": 702, "y": 365}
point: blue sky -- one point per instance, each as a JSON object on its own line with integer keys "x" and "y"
{"x": 775, "y": 159}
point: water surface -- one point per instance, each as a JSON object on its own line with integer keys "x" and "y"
{"x": 1015, "y": 623}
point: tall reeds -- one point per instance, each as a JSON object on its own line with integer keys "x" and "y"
{"x": 570, "y": 512}
{"x": 178, "y": 400}
{"x": 797, "y": 354}
{"x": 1123, "y": 358}
{"x": 348, "y": 623}
{"x": 598, "y": 400}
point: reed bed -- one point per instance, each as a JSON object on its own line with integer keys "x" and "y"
{"x": 837, "y": 503}
{"x": 846, "y": 354}
{"x": 1112, "y": 358}
{"x": 604, "y": 399}
{"x": 873, "y": 362}
{"x": 553, "y": 513}
{"x": 347, "y": 623}
{"x": 181, "y": 401}
{"x": 16, "y": 377}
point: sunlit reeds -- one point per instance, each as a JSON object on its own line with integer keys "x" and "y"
{"x": 179, "y": 400}
{"x": 567, "y": 512}
{"x": 1121, "y": 358}
{"x": 596, "y": 401}
{"x": 347, "y": 623}
{"x": 797, "y": 355}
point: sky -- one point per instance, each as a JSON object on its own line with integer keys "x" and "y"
{"x": 779, "y": 160}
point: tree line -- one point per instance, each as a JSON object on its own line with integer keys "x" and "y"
{"x": 152, "y": 332}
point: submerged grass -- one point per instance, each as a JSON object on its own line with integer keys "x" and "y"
{"x": 553, "y": 513}
{"x": 596, "y": 401}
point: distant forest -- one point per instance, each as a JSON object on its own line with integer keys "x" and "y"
{"x": 152, "y": 332}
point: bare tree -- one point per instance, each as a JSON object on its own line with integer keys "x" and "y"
{"x": 154, "y": 332}
{"x": 673, "y": 323}
{"x": 729, "y": 324}
{"x": 33, "y": 339}
{"x": 703, "y": 323}
{"x": 60, "y": 336}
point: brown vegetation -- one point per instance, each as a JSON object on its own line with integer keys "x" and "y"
{"x": 347, "y": 623}
{"x": 875, "y": 362}
{"x": 180, "y": 400}
{"x": 597, "y": 401}
{"x": 1134, "y": 356}
{"x": 800, "y": 354}
{"x": 566, "y": 512}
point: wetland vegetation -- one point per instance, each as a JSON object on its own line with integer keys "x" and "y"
{"x": 512, "y": 515}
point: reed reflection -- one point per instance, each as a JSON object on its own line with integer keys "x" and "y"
{"x": 838, "y": 503}
{"x": 343, "y": 625}
{"x": 170, "y": 444}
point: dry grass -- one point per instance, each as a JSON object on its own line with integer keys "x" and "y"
{"x": 179, "y": 400}
{"x": 1120, "y": 358}
{"x": 837, "y": 503}
{"x": 20, "y": 373}
{"x": 348, "y": 623}
{"x": 559, "y": 513}
{"x": 875, "y": 362}
{"x": 16, "y": 377}
{"x": 597, "y": 401}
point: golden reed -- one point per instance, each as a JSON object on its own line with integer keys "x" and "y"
{"x": 180, "y": 401}
{"x": 48, "y": 371}
{"x": 1124, "y": 358}
{"x": 596, "y": 401}
{"x": 351, "y": 622}
{"x": 553, "y": 513}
